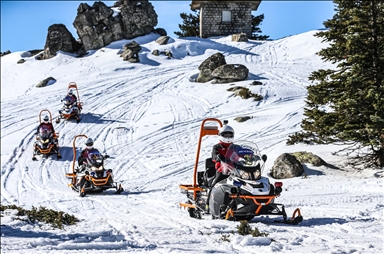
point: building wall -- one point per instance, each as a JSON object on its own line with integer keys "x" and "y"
{"x": 211, "y": 23}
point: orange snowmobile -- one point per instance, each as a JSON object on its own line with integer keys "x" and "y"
{"x": 72, "y": 105}
{"x": 94, "y": 178}
{"x": 244, "y": 194}
{"x": 46, "y": 139}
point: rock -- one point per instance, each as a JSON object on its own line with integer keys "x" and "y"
{"x": 286, "y": 166}
{"x": 256, "y": 83}
{"x": 163, "y": 40}
{"x": 99, "y": 25}
{"x": 161, "y": 31}
{"x": 241, "y": 119}
{"x": 308, "y": 157}
{"x": 208, "y": 66}
{"x": 21, "y": 61}
{"x": 5, "y": 53}
{"x": 131, "y": 52}
{"x": 45, "y": 82}
{"x": 59, "y": 38}
{"x": 235, "y": 72}
{"x": 242, "y": 37}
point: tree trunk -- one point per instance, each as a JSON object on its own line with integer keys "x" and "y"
{"x": 380, "y": 159}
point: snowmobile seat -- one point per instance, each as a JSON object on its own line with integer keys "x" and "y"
{"x": 210, "y": 171}
{"x": 206, "y": 177}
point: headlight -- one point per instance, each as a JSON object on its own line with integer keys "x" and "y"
{"x": 44, "y": 141}
{"x": 244, "y": 175}
{"x": 257, "y": 174}
{"x": 97, "y": 168}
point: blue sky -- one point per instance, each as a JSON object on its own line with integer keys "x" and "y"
{"x": 24, "y": 24}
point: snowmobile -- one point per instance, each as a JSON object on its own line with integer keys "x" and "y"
{"x": 95, "y": 178}
{"x": 244, "y": 194}
{"x": 71, "y": 110}
{"x": 46, "y": 140}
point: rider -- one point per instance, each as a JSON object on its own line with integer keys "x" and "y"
{"x": 71, "y": 101}
{"x": 82, "y": 161}
{"x": 72, "y": 97}
{"x": 226, "y": 136}
{"x": 49, "y": 126}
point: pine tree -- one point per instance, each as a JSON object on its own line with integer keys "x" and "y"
{"x": 346, "y": 104}
{"x": 256, "y": 22}
{"x": 191, "y": 24}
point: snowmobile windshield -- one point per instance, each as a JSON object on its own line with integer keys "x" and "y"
{"x": 95, "y": 158}
{"x": 45, "y": 132}
{"x": 244, "y": 158}
{"x": 68, "y": 101}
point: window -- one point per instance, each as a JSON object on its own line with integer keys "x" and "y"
{"x": 226, "y": 17}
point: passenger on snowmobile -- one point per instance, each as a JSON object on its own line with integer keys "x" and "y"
{"x": 70, "y": 105}
{"x": 71, "y": 97}
{"x": 91, "y": 161}
{"x": 46, "y": 136}
{"x": 47, "y": 124}
{"x": 219, "y": 151}
{"x": 90, "y": 156}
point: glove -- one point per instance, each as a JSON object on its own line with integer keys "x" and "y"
{"x": 221, "y": 158}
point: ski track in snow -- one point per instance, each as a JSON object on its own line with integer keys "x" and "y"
{"x": 148, "y": 122}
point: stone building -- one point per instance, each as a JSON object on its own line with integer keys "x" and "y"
{"x": 219, "y": 18}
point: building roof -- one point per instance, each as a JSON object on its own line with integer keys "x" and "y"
{"x": 195, "y": 5}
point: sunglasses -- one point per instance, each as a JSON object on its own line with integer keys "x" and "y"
{"x": 227, "y": 135}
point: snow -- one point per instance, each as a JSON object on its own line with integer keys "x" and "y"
{"x": 147, "y": 117}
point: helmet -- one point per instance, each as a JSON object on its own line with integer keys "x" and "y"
{"x": 46, "y": 119}
{"x": 70, "y": 92}
{"x": 226, "y": 134}
{"x": 89, "y": 143}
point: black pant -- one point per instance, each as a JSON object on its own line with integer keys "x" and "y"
{"x": 218, "y": 177}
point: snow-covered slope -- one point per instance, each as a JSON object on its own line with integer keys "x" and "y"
{"x": 147, "y": 116}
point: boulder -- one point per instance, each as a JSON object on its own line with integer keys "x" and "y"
{"x": 161, "y": 31}
{"x": 308, "y": 157}
{"x": 242, "y": 37}
{"x": 208, "y": 66}
{"x": 235, "y": 72}
{"x": 59, "y": 38}
{"x": 286, "y": 166}
{"x": 99, "y": 25}
{"x": 131, "y": 52}
{"x": 163, "y": 40}
{"x": 45, "y": 82}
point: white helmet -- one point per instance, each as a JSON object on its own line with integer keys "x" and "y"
{"x": 46, "y": 119}
{"x": 89, "y": 143}
{"x": 70, "y": 92}
{"x": 226, "y": 134}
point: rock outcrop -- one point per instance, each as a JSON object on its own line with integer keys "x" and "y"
{"x": 99, "y": 25}
{"x": 59, "y": 38}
